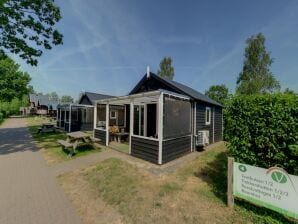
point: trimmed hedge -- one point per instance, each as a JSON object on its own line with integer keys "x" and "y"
{"x": 262, "y": 130}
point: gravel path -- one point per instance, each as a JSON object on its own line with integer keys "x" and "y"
{"x": 30, "y": 193}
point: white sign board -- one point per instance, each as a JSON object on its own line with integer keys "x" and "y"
{"x": 272, "y": 188}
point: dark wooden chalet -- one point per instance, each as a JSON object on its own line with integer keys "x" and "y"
{"x": 41, "y": 105}
{"x": 159, "y": 121}
{"x": 79, "y": 117}
{"x": 89, "y": 98}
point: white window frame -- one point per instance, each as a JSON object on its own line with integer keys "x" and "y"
{"x": 208, "y": 118}
{"x": 115, "y": 113}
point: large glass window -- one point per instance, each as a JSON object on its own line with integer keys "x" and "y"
{"x": 87, "y": 115}
{"x": 138, "y": 120}
{"x": 74, "y": 114}
{"x": 101, "y": 116}
{"x": 177, "y": 114}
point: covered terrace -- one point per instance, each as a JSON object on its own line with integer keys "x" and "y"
{"x": 75, "y": 117}
{"x": 156, "y": 126}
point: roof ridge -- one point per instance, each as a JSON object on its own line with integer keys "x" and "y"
{"x": 178, "y": 85}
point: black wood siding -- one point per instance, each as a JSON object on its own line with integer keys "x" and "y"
{"x": 218, "y": 132}
{"x": 175, "y": 148}
{"x": 85, "y": 100}
{"x": 74, "y": 127}
{"x": 100, "y": 134}
{"x": 145, "y": 149}
{"x": 200, "y": 119}
{"x": 216, "y": 118}
{"x": 86, "y": 126}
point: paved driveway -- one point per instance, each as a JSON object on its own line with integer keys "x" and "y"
{"x": 29, "y": 192}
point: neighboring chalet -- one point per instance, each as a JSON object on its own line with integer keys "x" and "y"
{"x": 88, "y": 98}
{"x": 159, "y": 121}
{"x": 79, "y": 117}
{"x": 42, "y": 105}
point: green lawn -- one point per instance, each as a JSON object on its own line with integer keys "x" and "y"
{"x": 52, "y": 152}
{"x": 195, "y": 193}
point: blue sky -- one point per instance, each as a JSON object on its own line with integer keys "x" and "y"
{"x": 109, "y": 43}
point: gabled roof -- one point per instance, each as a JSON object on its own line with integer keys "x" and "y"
{"x": 176, "y": 86}
{"x": 33, "y": 98}
{"x": 92, "y": 97}
{"x": 41, "y": 100}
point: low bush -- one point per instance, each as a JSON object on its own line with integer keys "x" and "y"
{"x": 12, "y": 107}
{"x": 1, "y": 117}
{"x": 262, "y": 130}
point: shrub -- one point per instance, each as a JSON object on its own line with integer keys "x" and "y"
{"x": 12, "y": 107}
{"x": 262, "y": 130}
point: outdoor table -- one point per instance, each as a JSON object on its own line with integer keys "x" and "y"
{"x": 77, "y": 137}
{"x": 47, "y": 127}
{"x": 120, "y": 135}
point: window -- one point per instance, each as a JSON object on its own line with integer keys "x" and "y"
{"x": 208, "y": 116}
{"x": 101, "y": 116}
{"x": 113, "y": 114}
{"x": 176, "y": 122}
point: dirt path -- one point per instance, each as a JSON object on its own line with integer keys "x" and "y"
{"x": 30, "y": 192}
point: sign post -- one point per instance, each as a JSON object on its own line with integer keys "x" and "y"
{"x": 230, "y": 196}
{"x": 272, "y": 188}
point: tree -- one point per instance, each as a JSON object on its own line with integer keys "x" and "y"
{"x": 219, "y": 93}
{"x": 166, "y": 68}
{"x": 53, "y": 96}
{"x": 13, "y": 82}
{"x": 66, "y": 99}
{"x": 289, "y": 91}
{"x": 27, "y": 27}
{"x": 256, "y": 77}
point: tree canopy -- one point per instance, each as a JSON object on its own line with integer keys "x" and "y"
{"x": 13, "y": 82}
{"x": 166, "y": 68}
{"x": 289, "y": 91}
{"x": 256, "y": 77}
{"x": 53, "y": 96}
{"x": 27, "y": 27}
{"x": 66, "y": 99}
{"x": 219, "y": 93}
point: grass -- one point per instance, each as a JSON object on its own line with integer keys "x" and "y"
{"x": 195, "y": 193}
{"x": 51, "y": 150}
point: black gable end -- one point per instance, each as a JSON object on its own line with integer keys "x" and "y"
{"x": 89, "y": 98}
{"x": 153, "y": 83}
{"x": 85, "y": 100}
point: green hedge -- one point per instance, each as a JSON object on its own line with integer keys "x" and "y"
{"x": 262, "y": 130}
{"x": 12, "y": 107}
{"x": 1, "y": 117}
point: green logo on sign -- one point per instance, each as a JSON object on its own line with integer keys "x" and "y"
{"x": 242, "y": 168}
{"x": 279, "y": 177}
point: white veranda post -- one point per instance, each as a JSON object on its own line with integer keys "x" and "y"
{"x": 107, "y": 123}
{"x": 69, "y": 119}
{"x": 160, "y": 127}
{"x": 131, "y": 125}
